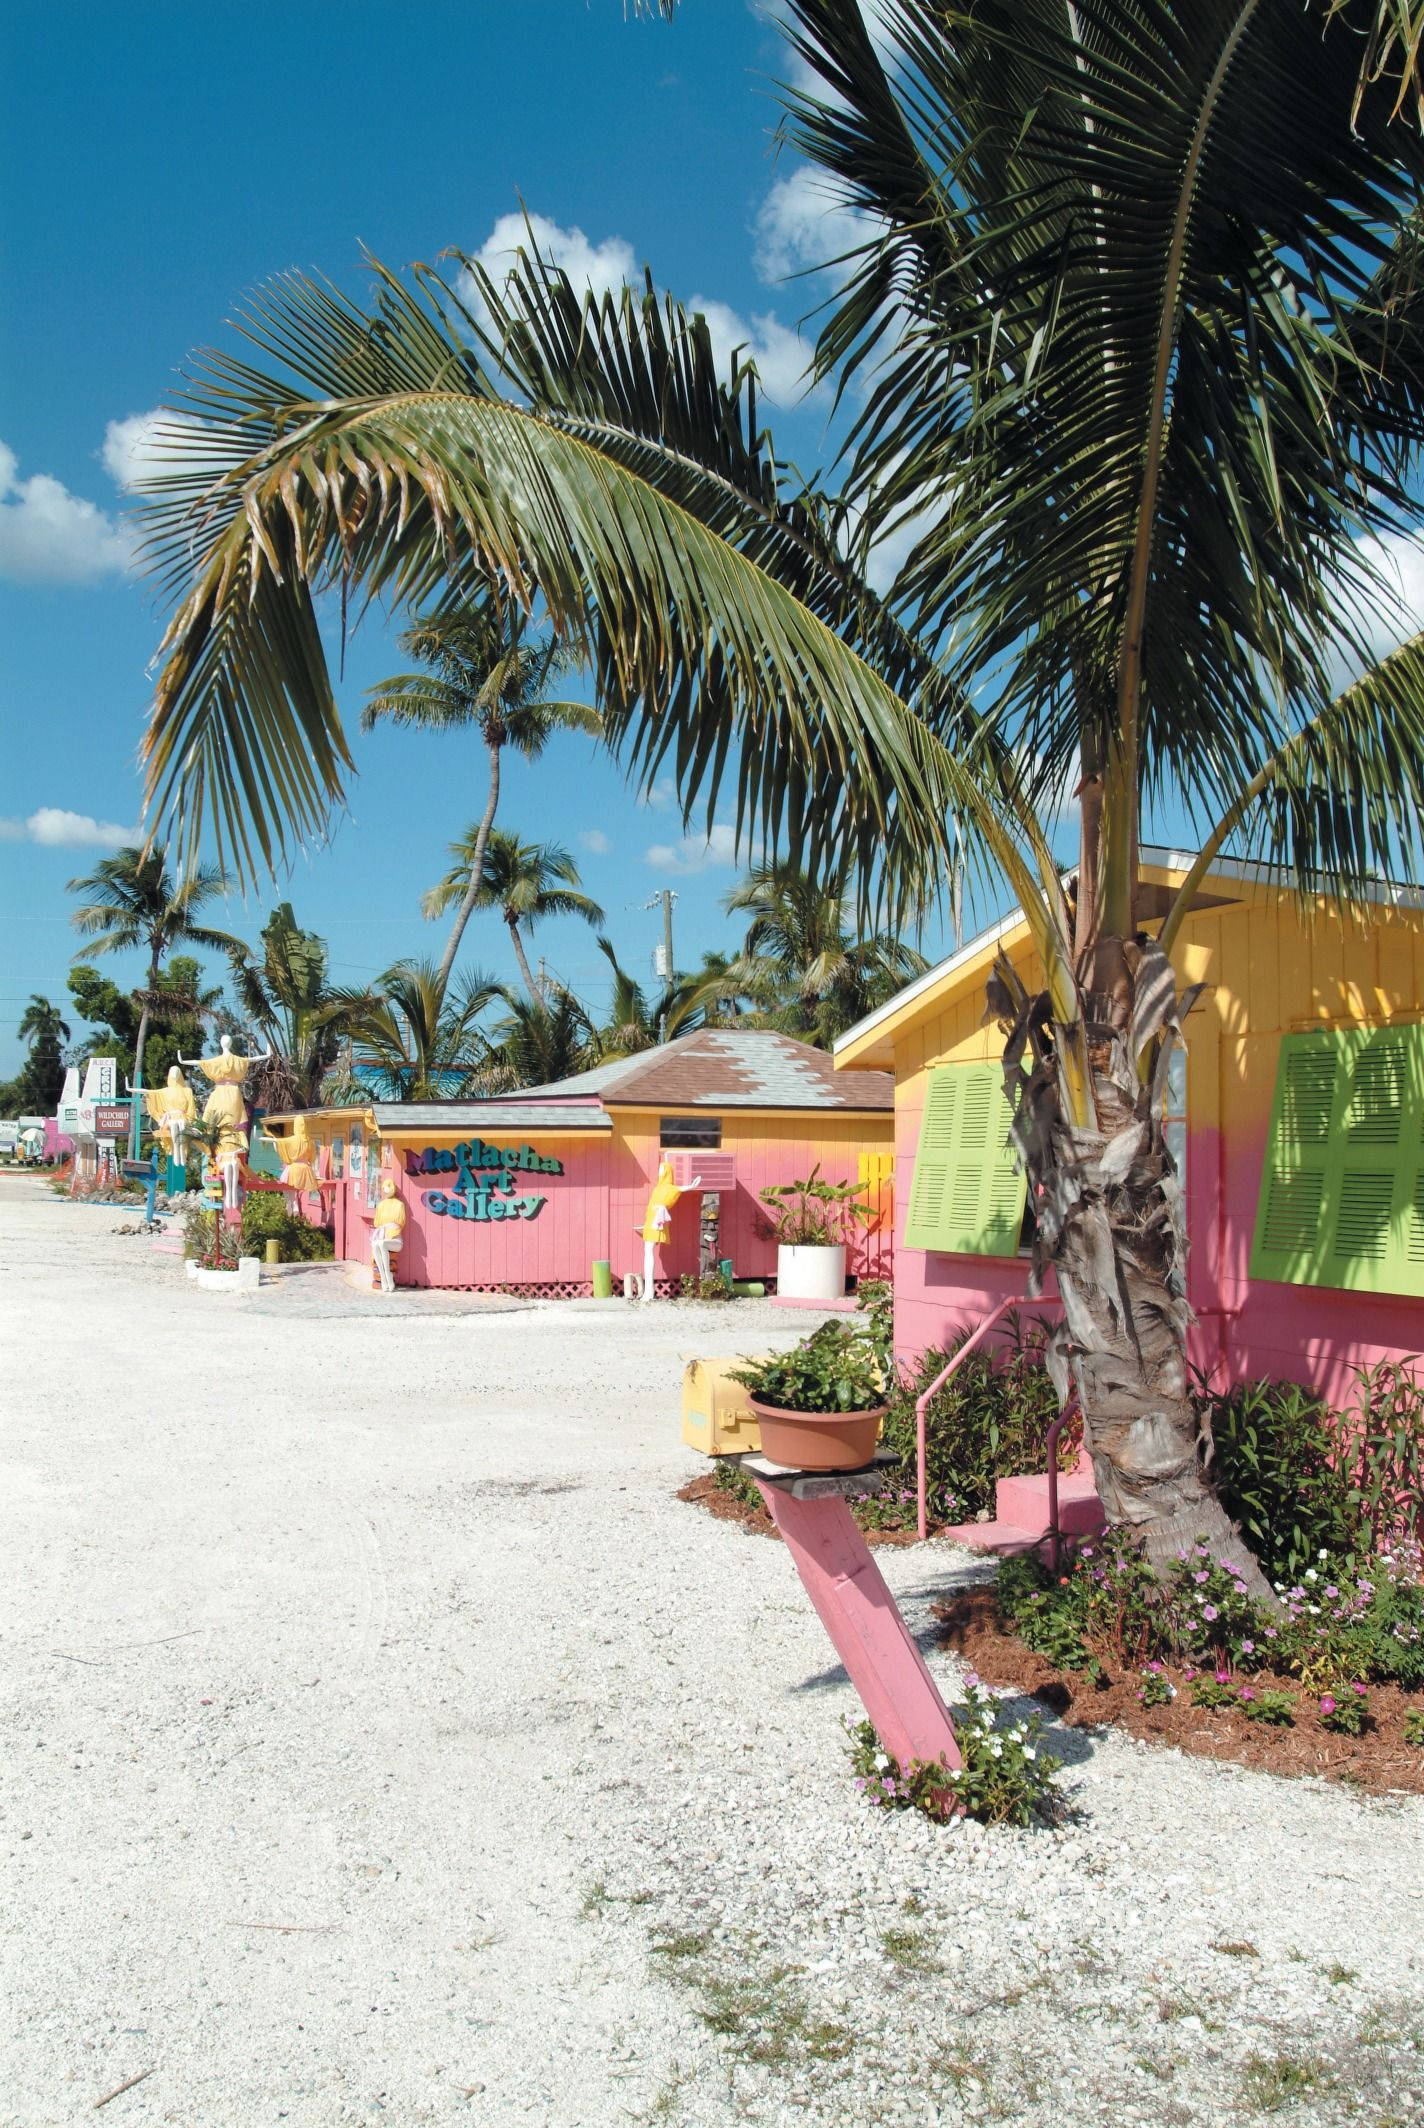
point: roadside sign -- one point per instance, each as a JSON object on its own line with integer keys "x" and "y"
{"x": 111, "y": 1121}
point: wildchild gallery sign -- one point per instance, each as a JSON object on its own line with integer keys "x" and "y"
{"x": 483, "y": 1184}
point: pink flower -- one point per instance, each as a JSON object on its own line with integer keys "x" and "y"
{"x": 1201, "y": 1577}
{"x": 971, "y": 1677}
{"x": 1247, "y": 1693}
{"x": 1327, "y": 1705}
{"x": 1359, "y": 1689}
{"x": 1223, "y": 1677}
{"x": 1248, "y": 1647}
{"x": 1209, "y": 1610}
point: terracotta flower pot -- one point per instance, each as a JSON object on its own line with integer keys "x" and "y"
{"x": 817, "y": 1440}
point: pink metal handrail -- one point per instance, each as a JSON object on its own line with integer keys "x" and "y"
{"x": 922, "y": 1405}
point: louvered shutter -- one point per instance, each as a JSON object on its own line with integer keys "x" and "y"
{"x": 966, "y": 1196}
{"x": 1342, "y": 1194}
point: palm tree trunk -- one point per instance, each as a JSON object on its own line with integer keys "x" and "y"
{"x": 1111, "y": 1226}
{"x": 477, "y": 873}
{"x": 525, "y": 970}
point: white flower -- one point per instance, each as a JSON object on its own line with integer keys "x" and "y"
{"x": 1029, "y": 1752}
{"x": 996, "y": 1749}
{"x": 1310, "y": 1573}
{"x": 881, "y": 1762}
{"x": 1322, "y": 1555}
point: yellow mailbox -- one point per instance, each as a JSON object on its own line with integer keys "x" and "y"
{"x": 716, "y": 1417}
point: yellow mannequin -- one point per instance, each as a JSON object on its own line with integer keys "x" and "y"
{"x": 226, "y": 1107}
{"x": 657, "y": 1222}
{"x": 171, "y": 1109}
{"x": 294, "y": 1148}
{"x": 387, "y": 1231}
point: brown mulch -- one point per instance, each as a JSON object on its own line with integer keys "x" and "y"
{"x": 706, "y": 1492}
{"x": 1379, "y": 1762}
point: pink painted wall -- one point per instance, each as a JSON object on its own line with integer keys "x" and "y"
{"x": 1268, "y": 973}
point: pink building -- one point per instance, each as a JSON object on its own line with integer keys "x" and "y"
{"x": 1296, "y": 1114}
{"x": 530, "y": 1190}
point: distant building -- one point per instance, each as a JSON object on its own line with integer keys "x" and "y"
{"x": 528, "y": 1190}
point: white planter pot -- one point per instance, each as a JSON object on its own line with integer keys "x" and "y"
{"x": 810, "y": 1273}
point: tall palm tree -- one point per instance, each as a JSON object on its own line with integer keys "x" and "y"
{"x": 525, "y": 881}
{"x": 305, "y": 1022}
{"x": 132, "y": 901}
{"x": 483, "y": 676}
{"x": 41, "y": 1078}
{"x": 421, "y": 1036}
{"x": 1131, "y": 341}
{"x": 42, "y": 1021}
{"x": 801, "y": 959}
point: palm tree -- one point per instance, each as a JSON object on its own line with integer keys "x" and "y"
{"x": 801, "y": 961}
{"x": 486, "y": 677}
{"x": 1131, "y": 334}
{"x": 133, "y": 902}
{"x": 42, "y": 1021}
{"x": 541, "y": 1040}
{"x": 638, "y": 1019}
{"x": 525, "y": 881}
{"x": 305, "y": 1022}
{"x": 41, "y": 1078}
{"x": 421, "y": 1037}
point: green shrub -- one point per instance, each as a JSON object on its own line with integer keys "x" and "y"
{"x": 990, "y": 1421}
{"x": 1006, "y": 1778}
{"x": 1276, "y": 1459}
{"x": 265, "y": 1218}
{"x": 208, "y": 1239}
{"x": 835, "y": 1369}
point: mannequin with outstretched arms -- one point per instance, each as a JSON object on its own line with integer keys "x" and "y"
{"x": 227, "y": 1108}
{"x": 171, "y": 1110}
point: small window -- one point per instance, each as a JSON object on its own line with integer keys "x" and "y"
{"x": 702, "y": 1133}
{"x": 338, "y": 1159}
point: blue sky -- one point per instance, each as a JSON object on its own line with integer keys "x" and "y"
{"x": 162, "y": 160}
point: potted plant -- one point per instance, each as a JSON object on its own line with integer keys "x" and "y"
{"x": 819, "y": 1406}
{"x": 810, "y": 1222}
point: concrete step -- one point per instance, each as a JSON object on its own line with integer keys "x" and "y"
{"x": 1023, "y": 1502}
{"x": 1005, "y": 1538}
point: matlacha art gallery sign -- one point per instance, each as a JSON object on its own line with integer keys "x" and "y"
{"x": 484, "y": 1185}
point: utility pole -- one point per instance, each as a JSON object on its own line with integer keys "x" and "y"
{"x": 667, "y": 897}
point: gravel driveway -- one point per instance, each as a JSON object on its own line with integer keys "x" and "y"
{"x": 383, "y": 1740}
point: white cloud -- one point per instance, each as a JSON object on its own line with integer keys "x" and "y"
{"x": 595, "y": 842}
{"x": 804, "y": 224}
{"x": 695, "y": 853}
{"x": 48, "y": 536}
{"x": 58, "y": 829}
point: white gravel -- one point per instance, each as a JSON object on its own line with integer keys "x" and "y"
{"x": 385, "y": 1741}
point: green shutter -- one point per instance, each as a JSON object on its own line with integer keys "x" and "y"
{"x": 1342, "y": 1193}
{"x": 966, "y": 1196}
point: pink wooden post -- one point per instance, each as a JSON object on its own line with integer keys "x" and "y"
{"x": 860, "y": 1615}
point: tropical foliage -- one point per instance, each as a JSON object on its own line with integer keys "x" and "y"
{"x": 1129, "y": 340}
{"x": 802, "y": 964}
{"x": 36, "y": 1087}
{"x": 419, "y": 1042}
{"x": 307, "y": 1024}
{"x": 182, "y": 1013}
{"x": 526, "y": 881}
{"x": 131, "y": 902}
{"x": 483, "y": 674}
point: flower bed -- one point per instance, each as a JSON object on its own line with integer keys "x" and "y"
{"x": 1331, "y": 1683}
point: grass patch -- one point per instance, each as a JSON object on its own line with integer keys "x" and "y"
{"x": 1236, "y": 1950}
{"x": 910, "y": 1949}
{"x": 1340, "y": 1976}
{"x": 1272, "y": 2082}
